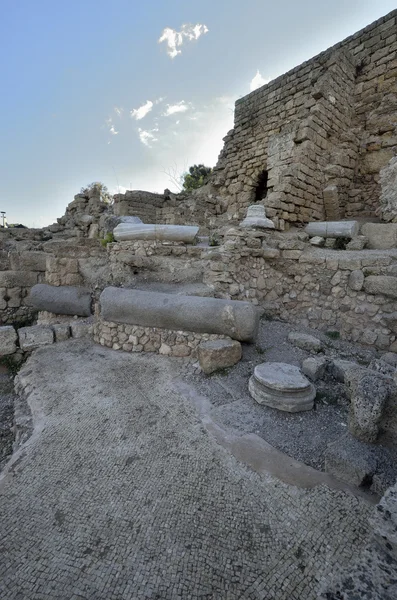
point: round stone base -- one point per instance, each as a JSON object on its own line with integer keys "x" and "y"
{"x": 282, "y": 386}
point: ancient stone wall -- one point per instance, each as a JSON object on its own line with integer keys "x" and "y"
{"x": 329, "y": 123}
{"x": 351, "y": 292}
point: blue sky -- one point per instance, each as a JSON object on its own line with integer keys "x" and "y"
{"x": 88, "y": 93}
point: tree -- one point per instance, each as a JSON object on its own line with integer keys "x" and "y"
{"x": 102, "y": 190}
{"x": 195, "y": 177}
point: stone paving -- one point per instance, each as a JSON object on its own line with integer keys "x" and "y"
{"x": 121, "y": 493}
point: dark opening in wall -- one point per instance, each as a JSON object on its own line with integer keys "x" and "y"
{"x": 261, "y": 188}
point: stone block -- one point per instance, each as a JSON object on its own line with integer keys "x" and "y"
{"x": 14, "y": 279}
{"x": 381, "y": 284}
{"x": 388, "y": 196}
{"x": 31, "y": 338}
{"x": 370, "y": 393}
{"x": 30, "y": 260}
{"x": 8, "y": 340}
{"x": 305, "y": 342}
{"x": 350, "y": 460}
{"x": 61, "y": 331}
{"x": 80, "y": 330}
{"x": 314, "y": 367}
{"x": 380, "y": 236}
{"x": 356, "y": 280}
{"x": 218, "y": 354}
{"x": 357, "y": 243}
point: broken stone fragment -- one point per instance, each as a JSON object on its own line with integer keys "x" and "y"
{"x": 218, "y": 354}
{"x": 305, "y": 342}
{"x": 8, "y": 340}
{"x": 314, "y": 367}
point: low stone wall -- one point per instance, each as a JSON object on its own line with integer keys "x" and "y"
{"x": 19, "y": 272}
{"x": 351, "y": 292}
{"x": 132, "y": 338}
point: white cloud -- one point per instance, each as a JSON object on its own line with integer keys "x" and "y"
{"x": 147, "y": 137}
{"x": 179, "y": 107}
{"x": 142, "y": 111}
{"x": 258, "y": 81}
{"x": 175, "y": 39}
{"x": 119, "y": 111}
{"x": 113, "y": 131}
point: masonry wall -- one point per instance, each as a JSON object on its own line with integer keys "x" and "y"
{"x": 351, "y": 292}
{"x": 331, "y": 121}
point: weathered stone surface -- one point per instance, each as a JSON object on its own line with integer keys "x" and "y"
{"x": 108, "y": 223}
{"x": 381, "y": 236}
{"x": 282, "y": 386}
{"x": 61, "y": 300}
{"x": 317, "y": 241}
{"x": 388, "y": 196}
{"x": 238, "y": 320}
{"x": 382, "y": 367}
{"x": 381, "y": 284}
{"x": 31, "y": 338}
{"x": 357, "y": 243}
{"x": 8, "y": 340}
{"x": 61, "y": 331}
{"x": 256, "y": 217}
{"x": 79, "y": 329}
{"x": 314, "y": 367}
{"x": 305, "y": 342}
{"x": 345, "y": 371}
{"x": 356, "y": 280}
{"x": 333, "y": 229}
{"x": 28, "y": 260}
{"x": 368, "y": 400}
{"x": 175, "y": 233}
{"x": 390, "y": 358}
{"x": 218, "y": 354}
{"x": 13, "y": 279}
{"x": 350, "y": 460}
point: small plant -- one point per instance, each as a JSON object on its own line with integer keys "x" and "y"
{"x": 260, "y": 349}
{"x": 214, "y": 239}
{"x": 108, "y": 239}
{"x": 333, "y": 335}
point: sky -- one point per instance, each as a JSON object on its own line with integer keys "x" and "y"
{"x": 131, "y": 93}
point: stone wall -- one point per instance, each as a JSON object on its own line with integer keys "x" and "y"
{"x": 20, "y": 270}
{"x": 331, "y": 121}
{"x": 200, "y": 207}
{"x": 351, "y": 292}
{"x": 132, "y": 338}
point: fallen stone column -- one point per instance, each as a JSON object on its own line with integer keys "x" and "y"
{"x": 333, "y": 229}
{"x": 238, "y": 320}
{"x": 61, "y": 300}
{"x": 170, "y": 233}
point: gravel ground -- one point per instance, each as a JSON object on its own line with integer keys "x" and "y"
{"x": 303, "y": 436}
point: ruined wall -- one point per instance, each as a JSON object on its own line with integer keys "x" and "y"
{"x": 351, "y": 292}
{"x": 330, "y": 122}
{"x": 200, "y": 207}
